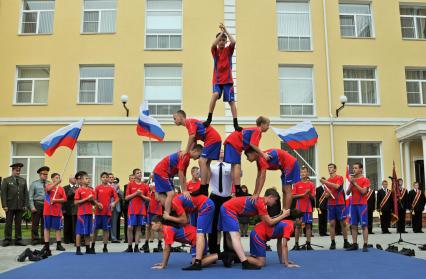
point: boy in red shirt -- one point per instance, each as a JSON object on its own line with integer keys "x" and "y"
{"x": 106, "y": 199}
{"x": 136, "y": 194}
{"x": 336, "y": 208}
{"x": 239, "y": 141}
{"x": 154, "y": 209}
{"x": 303, "y": 192}
{"x": 195, "y": 183}
{"x": 222, "y": 74}
{"x": 52, "y": 211}
{"x": 211, "y": 149}
{"x": 359, "y": 212}
{"x": 84, "y": 199}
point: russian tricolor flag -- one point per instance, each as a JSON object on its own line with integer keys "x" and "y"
{"x": 66, "y": 136}
{"x": 301, "y": 136}
{"x": 148, "y": 126}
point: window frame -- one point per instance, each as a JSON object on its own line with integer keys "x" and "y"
{"x": 373, "y": 33}
{"x": 414, "y": 17}
{"x": 315, "y": 177}
{"x": 96, "y": 79}
{"x": 100, "y": 12}
{"x": 177, "y": 142}
{"x": 376, "y": 87}
{"x": 419, "y": 82}
{"x": 95, "y": 176}
{"x": 21, "y": 18}
{"x": 27, "y": 158}
{"x": 17, "y": 79}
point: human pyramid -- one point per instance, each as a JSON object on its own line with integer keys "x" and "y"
{"x": 168, "y": 213}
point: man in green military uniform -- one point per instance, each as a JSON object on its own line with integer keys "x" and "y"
{"x": 36, "y": 195}
{"x": 14, "y": 200}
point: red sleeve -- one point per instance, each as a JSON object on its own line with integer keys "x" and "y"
{"x": 366, "y": 183}
{"x": 261, "y": 207}
{"x": 62, "y": 192}
{"x": 192, "y": 129}
{"x": 255, "y": 137}
{"x": 169, "y": 235}
{"x": 262, "y": 164}
{"x": 183, "y": 163}
{"x": 340, "y": 181}
{"x": 77, "y": 195}
{"x": 177, "y": 206}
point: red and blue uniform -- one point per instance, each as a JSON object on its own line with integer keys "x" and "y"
{"x": 167, "y": 168}
{"x": 186, "y": 234}
{"x": 191, "y": 187}
{"x": 154, "y": 207}
{"x": 238, "y": 141}
{"x": 104, "y": 194}
{"x": 84, "y": 224}
{"x": 304, "y": 203}
{"x": 210, "y": 137}
{"x": 202, "y": 205}
{"x": 359, "y": 210}
{"x": 243, "y": 206}
{"x": 136, "y": 209}
{"x": 262, "y": 233}
{"x": 222, "y": 72}
{"x": 281, "y": 160}
{"x": 336, "y": 209}
{"x": 52, "y": 212}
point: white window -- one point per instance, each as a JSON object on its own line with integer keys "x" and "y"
{"x": 163, "y": 24}
{"x": 416, "y": 86}
{"x": 31, "y": 155}
{"x": 296, "y": 91}
{"x": 368, "y": 154}
{"x": 37, "y": 16}
{"x": 294, "y": 25}
{"x": 32, "y": 85}
{"x": 413, "y": 22}
{"x": 99, "y": 16}
{"x": 154, "y": 152}
{"x": 355, "y": 20}
{"x": 309, "y": 155}
{"x": 94, "y": 158}
{"x": 96, "y": 84}
{"x": 163, "y": 89}
{"x": 360, "y": 85}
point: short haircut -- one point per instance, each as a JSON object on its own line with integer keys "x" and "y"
{"x": 80, "y": 174}
{"x": 359, "y": 164}
{"x": 104, "y": 173}
{"x": 194, "y": 168}
{"x": 198, "y": 147}
{"x": 110, "y": 173}
{"x": 157, "y": 219}
{"x": 54, "y": 174}
{"x": 334, "y": 165}
{"x": 272, "y": 192}
{"x": 384, "y": 180}
{"x": 262, "y": 120}
{"x": 181, "y": 112}
{"x": 304, "y": 168}
{"x": 135, "y": 170}
{"x": 223, "y": 35}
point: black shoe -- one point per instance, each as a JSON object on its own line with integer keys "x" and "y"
{"x": 19, "y": 243}
{"x": 346, "y": 245}
{"x": 105, "y": 250}
{"x": 227, "y": 258}
{"x": 192, "y": 267}
{"x": 296, "y": 247}
{"x": 308, "y": 247}
{"x": 248, "y": 266}
{"x": 128, "y": 250}
{"x": 21, "y": 258}
{"x": 423, "y": 247}
{"x": 160, "y": 248}
{"x": 354, "y": 247}
{"x": 116, "y": 241}
{"x": 78, "y": 253}
{"x": 370, "y": 233}
{"x": 136, "y": 250}
{"x": 91, "y": 251}
{"x": 333, "y": 245}
{"x": 239, "y": 129}
{"x": 379, "y": 247}
{"x": 145, "y": 248}
{"x": 6, "y": 243}
{"x": 365, "y": 247}
{"x": 60, "y": 248}
{"x": 392, "y": 249}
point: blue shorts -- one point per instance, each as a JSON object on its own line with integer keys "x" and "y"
{"x": 135, "y": 220}
{"x": 257, "y": 245}
{"x": 163, "y": 185}
{"x": 306, "y": 218}
{"x": 205, "y": 217}
{"x": 212, "y": 151}
{"x": 228, "y": 221}
{"x": 226, "y": 89}
{"x": 231, "y": 156}
{"x": 193, "y": 218}
{"x": 149, "y": 217}
{"x": 102, "y": 222}
{"x": 292, "y": 177}
{"x": 84, "y": 224}
{"x": 336, "y": 212}
{"x": 359, "y": 214}
{"x": 52, "y": 222}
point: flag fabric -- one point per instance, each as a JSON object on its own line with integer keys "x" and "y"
{"x": 348, "y": 197}
{"x": 396, "y": 194}
{"x": 66, "y": 136}
{"x": 301, "y": 136}
{"x": 148, "y": 126}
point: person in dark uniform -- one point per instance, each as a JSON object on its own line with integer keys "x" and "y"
{"x": 14, "y": 200}
{"x": 68, "y": 210}
{"x": 417, "y": 205}
{"x": 371, "y": 204}
{"x": 402, "y": 206}
{"x": 384, "y": 206}
{"x": 321, "y": 205}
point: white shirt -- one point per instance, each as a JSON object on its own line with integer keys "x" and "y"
{"x": 226, "y": 180}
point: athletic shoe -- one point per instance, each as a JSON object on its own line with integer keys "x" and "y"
{"x": 248, "y": 266}
{"x": 192, "y": 267}
{"x": 60, "y": 248}
{"x": 346, "y": 245}
{"x": 90, "y": 251}
{"x": 105, "y": 250}
{"x": 365, "y": 247}
{"x": 21, "y": 258}
{"x": 128, "y": 250}
{"x": 354, "y": 247}
{"x": 78, "y": 253}
{"x": 145, "y": 248}
{"x": 296, "y": 247}
{"x": 333, "y": 245}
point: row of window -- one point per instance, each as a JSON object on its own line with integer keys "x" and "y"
{"x": 164, "y": 21}
{"x": 163, "y": 87}
{"x": 96, "y": 157}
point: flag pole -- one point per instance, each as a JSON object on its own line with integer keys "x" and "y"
{"x": 150, "y": 159}
{"x": 307, "y": 164}
{"x": 62, "y": 174}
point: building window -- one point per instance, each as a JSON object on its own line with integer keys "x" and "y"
{"x": 413, "y": 22}
{"x": 416, "y": 86}
{"x": 296, "y": 91}
{"x": 163, "y": 24}
{"x": 99, "y": 16}
{"x": 31, "y": 155}
{"x": 94, "y": 158}
{"x": 32, "y": 85}
{"x": 309, "y": 155}
{"x": 96, "y": 84}
{"x": 154, "y": 152}
{"x": 163, "y": 89}
{"x": 360, "y": 85}
{"x": 355, "y": 20}
{"x": 294, "y": 25}
{"x": 368, "y": 154}
{"x": 37, "y": 16}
